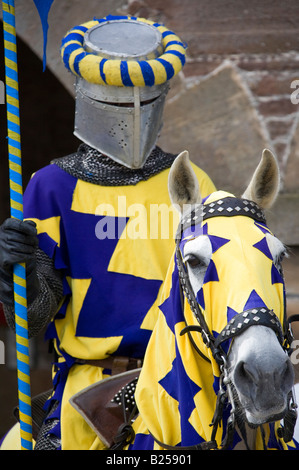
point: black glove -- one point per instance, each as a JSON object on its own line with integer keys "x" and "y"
{"x": 18, "y": 244}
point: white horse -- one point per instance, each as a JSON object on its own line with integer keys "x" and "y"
{"x": 258, "y": 368}
{"x": 218, "y": 354}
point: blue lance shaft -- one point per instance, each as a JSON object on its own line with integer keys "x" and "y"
{"x": 16, "y": 205}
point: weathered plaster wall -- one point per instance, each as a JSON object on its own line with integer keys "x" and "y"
{"x": 233, "y": 97}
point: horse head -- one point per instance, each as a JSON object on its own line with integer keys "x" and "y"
{"x": 230, "y": 270}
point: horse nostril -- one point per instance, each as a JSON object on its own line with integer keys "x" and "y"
{"x": 249, "y": 378}
{"x": 286, "y": 376}
{"x": 245, "y": 376}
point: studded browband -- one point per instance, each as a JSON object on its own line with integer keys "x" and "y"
{"x": 241, "y": 321}
{"x": 225, "y": 207}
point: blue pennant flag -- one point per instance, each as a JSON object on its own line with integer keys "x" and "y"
{"x": 43, "y": 8}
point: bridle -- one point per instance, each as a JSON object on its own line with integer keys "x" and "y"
{"x": 230, "y": 207}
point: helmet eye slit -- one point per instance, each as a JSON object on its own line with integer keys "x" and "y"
{"x": 128, "y": 104}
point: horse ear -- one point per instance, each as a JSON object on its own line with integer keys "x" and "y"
{"x": 264, "y": 185}
{"x": 183, "y": 185}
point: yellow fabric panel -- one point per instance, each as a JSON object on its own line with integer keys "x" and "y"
{"x": 90, "y": 199}
{"x": 161, "y": 417}
{"x": 49, "y": 226}
{"x": 143, "y": 243}
{"x": 66, "y": 328}
{"x": 75, "y": 432}
{"x": 12, "y": 439}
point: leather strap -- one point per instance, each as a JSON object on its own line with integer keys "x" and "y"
{"x": 117, "y": 364}
{"x": 226, "y": 207}
{"x": 243, "y": 320}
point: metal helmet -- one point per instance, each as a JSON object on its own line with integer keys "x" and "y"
{"x": 122, "y": 65}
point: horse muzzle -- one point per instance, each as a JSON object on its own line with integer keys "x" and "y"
{"x": 262, "y": 375}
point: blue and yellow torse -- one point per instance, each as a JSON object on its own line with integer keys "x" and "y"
{"x": 102, "y": 71}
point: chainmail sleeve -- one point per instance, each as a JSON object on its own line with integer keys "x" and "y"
{"x": 45, "y": 305}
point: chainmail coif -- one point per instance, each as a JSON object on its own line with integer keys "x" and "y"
{"x": 90, "y": 165}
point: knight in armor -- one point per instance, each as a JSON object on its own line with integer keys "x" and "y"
{"x": 95, "y": 263}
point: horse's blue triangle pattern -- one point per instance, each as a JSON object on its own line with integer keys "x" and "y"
{"x": 263, "y": 247}
{"x": 276, "y": 277}
{"x": 211, "y": 273}
{"x": 217, "y": 242}
{"x": 200, "y": 298}
{"x": 262, "y": 227}
{"x": 192, "y": 232}
{"x": 254, "y": 300}
{"x": 177, "y": 383}
{"x": 172, "y": 305}
{"x": 230, "y": 313}
{"x": 169, "y": 383}
{"x": 143, "y": 442}
{"x": 182, "y": 389}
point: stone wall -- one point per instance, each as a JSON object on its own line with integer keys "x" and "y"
{"x": 233, "y": 97}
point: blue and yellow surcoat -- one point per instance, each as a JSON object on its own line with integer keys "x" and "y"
{"x": 113, "y": 245}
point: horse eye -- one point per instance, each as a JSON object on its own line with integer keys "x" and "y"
{"x": 194, "y": 262}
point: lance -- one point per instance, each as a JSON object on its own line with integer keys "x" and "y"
{"x": 16, "y": 208}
